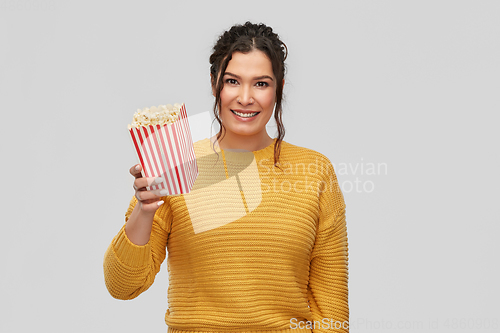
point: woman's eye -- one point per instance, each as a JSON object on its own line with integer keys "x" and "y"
{"x": 231, "y": 81}
{"x": 262, "y": 84}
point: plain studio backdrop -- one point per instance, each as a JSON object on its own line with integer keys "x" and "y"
{"x": 401, "y": 96}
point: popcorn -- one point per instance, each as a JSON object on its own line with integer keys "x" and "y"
{"x": 161, "y": 115}
{"x": 163, "y": 144}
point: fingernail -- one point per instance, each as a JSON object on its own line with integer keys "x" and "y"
{"x": 160, "y": 203}
{"x": 137, "y": 167}
{"x": 163, "y": 192}
{"x": 158, "y": 180}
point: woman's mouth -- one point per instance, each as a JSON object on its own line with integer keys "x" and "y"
{"x": 245, "y": 114}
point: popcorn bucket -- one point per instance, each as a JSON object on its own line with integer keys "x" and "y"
{"x": 167, "y": 151}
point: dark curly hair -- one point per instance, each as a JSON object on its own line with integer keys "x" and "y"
{"x": 246, "y": 38}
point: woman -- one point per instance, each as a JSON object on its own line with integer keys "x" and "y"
{"x": 260, "y": 244}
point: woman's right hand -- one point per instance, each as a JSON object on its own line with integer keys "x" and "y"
{"x": 149, "y": 201}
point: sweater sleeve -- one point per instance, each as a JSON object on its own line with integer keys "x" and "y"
{"x": 130, "y": 269}
{"x": 328, "y": 274}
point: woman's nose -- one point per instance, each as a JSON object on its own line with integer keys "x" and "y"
{"x": 245, "y": 96}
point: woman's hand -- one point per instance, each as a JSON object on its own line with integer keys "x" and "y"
{"x": 139, "y": 225}
{"x": 148, "y": 201}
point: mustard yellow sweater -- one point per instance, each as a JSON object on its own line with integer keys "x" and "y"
{"x": 252, "y": 248}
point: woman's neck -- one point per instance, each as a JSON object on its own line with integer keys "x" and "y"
{"x": 250, "y": 143}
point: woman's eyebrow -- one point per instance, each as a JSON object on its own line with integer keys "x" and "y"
{"x": 263, "y": 77}
{"x": 255, "y": 78}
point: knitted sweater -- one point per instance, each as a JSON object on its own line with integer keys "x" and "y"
{"x": 252, "y": 248}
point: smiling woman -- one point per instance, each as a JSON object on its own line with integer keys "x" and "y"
{"x": 247, "y": 101}
{"x": 253, "y": 247}
{"x": 248, "y": 74}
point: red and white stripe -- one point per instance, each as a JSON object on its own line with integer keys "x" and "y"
{"x": 167, "y": 151}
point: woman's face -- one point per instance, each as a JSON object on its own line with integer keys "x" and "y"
{"x": 248, "y": 96}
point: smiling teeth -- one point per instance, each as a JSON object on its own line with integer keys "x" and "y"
{"x": 245, "y": 115}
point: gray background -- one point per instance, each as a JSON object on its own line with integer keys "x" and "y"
{"x": 410, "y": 85}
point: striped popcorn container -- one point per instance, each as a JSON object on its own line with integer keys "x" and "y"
{"x": 167, "y": 151}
